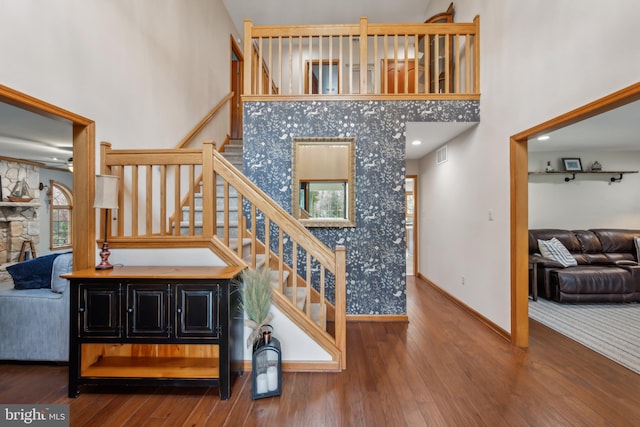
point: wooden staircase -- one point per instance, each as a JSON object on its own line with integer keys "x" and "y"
{"x": 233, "y": 153}
{"x": 206, "y": 189}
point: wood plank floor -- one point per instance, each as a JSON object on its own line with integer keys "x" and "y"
{"x": 443, "y": 368}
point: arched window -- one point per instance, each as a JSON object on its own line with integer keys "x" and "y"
{"x": 61, "y": 203}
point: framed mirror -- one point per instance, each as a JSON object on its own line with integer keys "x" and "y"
{"x": 324, "y": 181}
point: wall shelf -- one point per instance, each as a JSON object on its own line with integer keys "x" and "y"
{"x": 25, "y": 205}
{"x": 573, "y": 174}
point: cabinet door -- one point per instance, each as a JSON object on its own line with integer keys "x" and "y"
{"x": 99, "y": 310}
{"x": 147, "y": 310}
{"x": 197, "y": 313}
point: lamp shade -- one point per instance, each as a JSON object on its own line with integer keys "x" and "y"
{"x": 106, "y": 192}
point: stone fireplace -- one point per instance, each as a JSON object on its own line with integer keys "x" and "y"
{"x": 18, "y": 220}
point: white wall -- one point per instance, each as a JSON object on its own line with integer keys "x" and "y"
{"x": 589, "y": 201}
{"x": 412, "y": 167}
{"x": 146, "y": 71}
{"x": 537, "y": 62}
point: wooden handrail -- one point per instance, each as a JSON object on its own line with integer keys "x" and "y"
{"x": 204, "y": 121}
{"x": 293, "y": 228}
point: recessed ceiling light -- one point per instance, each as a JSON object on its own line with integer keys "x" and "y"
{"x": 543, "y": 138}
{"x": 416, "y": 142}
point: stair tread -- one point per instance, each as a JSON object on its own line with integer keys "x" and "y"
{"x": 234, "y": 243}
{"x": 232, "y": 224}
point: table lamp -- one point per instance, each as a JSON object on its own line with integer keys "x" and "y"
{"x": 106, "y": 198}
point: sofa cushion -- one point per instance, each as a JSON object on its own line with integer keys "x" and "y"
{"x": 593, "y": 280}
{"x": 34, "y": 273}
{"x": 566, "y": 237}
{"x": 589, "y": 242}
{"x": 617, "y": 240}
{"x": 555, "y": 250}
{"x": 61, "y": 265}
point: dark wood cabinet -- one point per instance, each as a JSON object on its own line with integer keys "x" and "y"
{"x": 155, "y": 325}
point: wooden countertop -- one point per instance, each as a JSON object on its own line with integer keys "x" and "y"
{"x": 157, "y": 272}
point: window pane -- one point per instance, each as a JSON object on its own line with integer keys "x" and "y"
{"x": 59, "y": 198}
{"x": 60, "y": 227}
{"x": 327, "y": 199}
{"x": 61, "y": 204}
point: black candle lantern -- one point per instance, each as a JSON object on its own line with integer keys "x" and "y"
{"x": 266, "y": 367}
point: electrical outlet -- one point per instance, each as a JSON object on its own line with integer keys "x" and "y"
{"x": 462, "y": 280}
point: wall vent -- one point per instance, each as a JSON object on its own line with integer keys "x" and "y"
{"x": 441, "y": 155}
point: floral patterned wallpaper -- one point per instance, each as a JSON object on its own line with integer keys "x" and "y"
{"x": 376, "y": 260}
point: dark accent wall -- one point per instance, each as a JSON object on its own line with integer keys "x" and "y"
{"x": 376, "y": 259}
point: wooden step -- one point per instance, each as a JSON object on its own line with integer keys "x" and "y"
{"x": 301, "y": 296}
{"x": 315, "y": 315}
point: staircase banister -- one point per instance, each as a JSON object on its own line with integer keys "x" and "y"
{"x": 204, "y": 121}
{"x": 440, "y": 29}
{"x": 166, "y": 156}
{"x": 371, "y": 29}
{"x": 303, "y": 237}
{"x": 304, "y": 30}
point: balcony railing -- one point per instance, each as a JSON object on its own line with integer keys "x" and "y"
{"x": 411, "y": 60}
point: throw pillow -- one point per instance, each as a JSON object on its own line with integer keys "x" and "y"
{"x": 61, "y": 265}
{"x": 555, "y": 250}
{"x": 34, "y": 273}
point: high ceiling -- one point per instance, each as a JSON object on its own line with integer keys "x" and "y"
{"x": 30, "y": 136}
{"x": 297, "y": 12}
{"x": 615, "y": 130}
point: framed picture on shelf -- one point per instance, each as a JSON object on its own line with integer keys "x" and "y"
{"x": 572, "y": 164}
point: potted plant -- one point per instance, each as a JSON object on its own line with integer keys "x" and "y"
{"x": 256, "y": 300}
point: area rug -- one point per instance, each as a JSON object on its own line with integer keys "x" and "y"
{"x": 612, "y": 330}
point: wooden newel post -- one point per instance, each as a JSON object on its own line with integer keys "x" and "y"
{"x": 248, "y": 58}
{"x": 208, "y": 189}
{"x": 341, "y": 304}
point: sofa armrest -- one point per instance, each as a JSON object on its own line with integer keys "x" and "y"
{"x": 544, "y": 262}
{"x": 543, "y": 267}
{"x": 635, "y": 275}
{"x": 625, "y": 263}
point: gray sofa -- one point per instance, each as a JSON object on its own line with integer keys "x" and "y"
{"x": 34, "y": 323}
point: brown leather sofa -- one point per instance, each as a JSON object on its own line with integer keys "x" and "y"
{"x": 607, "y": 269}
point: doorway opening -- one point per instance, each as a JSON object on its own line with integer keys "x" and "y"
{"x": 84, "y": 232}
{"x": 520, "y": 201}
{"x": 237, "y": 79}
{"x": 411, "y": 223}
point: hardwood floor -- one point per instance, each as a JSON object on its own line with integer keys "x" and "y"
{"x": 443, "y": 368}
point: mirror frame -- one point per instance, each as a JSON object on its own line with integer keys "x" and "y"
{"x": 350, "y": 221}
